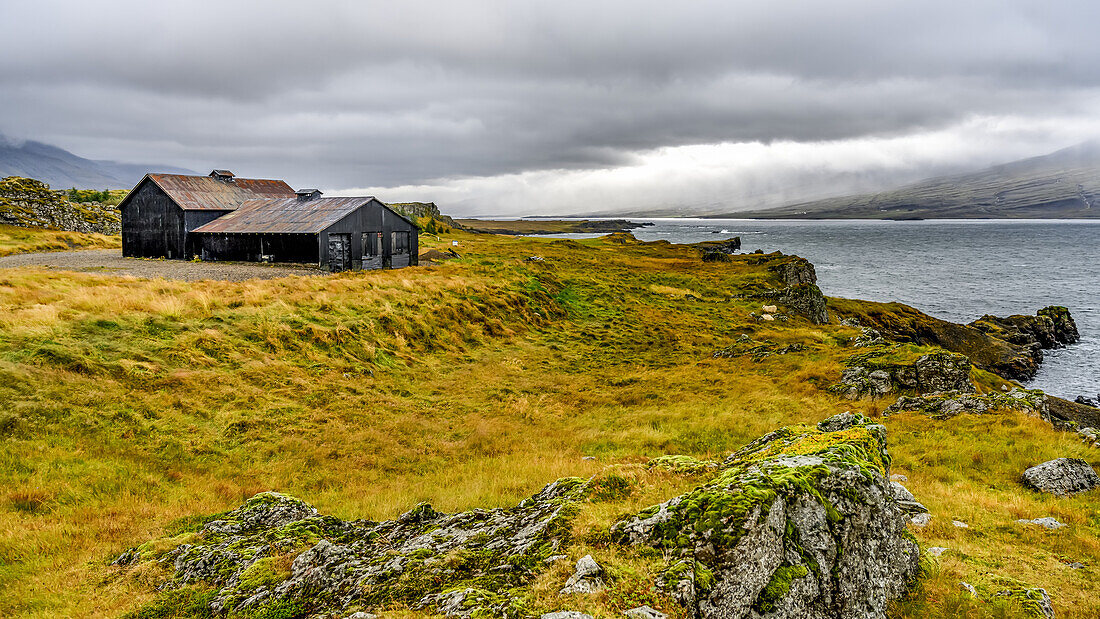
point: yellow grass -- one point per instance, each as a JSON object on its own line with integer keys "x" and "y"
{"x": 15, "y": 240}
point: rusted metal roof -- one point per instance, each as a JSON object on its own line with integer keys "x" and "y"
{"x": 285, "y": 216}
{"x": 205, "y": 193}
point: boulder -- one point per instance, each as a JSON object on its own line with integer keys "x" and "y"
{"x": 1062, "y": 477}
{"x": 869, "y": 375}
{"x": 585, "y": 578}
{"x": 799, "y": 523}
{"x": 906, "y": 501}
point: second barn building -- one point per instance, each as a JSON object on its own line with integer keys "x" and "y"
{"x": 337, "y": 233}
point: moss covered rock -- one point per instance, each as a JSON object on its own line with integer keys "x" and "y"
{"x": 29, "y": 203}
{"x": 278, "y": 552}
{"x": 878, "y": 373}
{"x": 947, "y": 405}
{"x": 799, "y": 523}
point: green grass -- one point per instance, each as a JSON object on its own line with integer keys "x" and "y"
{"x": 130, "y": 408}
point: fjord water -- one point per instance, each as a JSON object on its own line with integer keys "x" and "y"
{"x": 956, "y": 270}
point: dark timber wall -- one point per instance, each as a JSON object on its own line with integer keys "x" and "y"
{"x": 249, "y": 247}
{"x": 368, "y": 249}
{"x": 152, "y": 224}
{"x": 192, "y": 220}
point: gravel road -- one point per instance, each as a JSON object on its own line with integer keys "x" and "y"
{"x": 111, "y": 262}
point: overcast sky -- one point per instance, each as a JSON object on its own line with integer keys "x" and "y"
{"x": 556, "y": 107}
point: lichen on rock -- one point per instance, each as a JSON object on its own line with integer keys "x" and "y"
{"x": 877, "y": 373}
{"x": 800, "y": 522}
{"x": 461, "y": 564}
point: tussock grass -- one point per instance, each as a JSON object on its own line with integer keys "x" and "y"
{"x": 128, "y": 406}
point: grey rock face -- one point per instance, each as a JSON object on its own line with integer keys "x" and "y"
{"x": 932, "y": 373}
{"x": 1090, "y": 436}
{"x": 906, "y": 501}
{"x": 921, "y": 520}
{"x": 566, "y": 614}
{"x": 1065, "y": 329}
{"x": 842, "y": 421}
{"x": 795, "y": 272}
{"x": 586, "y": 578}
{"x": 840, "y": 550}
{"x": 1063, "y": 477}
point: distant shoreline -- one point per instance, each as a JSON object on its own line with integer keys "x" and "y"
{"x": 549, "y": 226}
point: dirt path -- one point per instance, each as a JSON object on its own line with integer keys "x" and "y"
{"x": 111, "y": 262}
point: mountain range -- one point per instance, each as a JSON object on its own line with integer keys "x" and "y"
{"x": 61, "y": 169}
{"x": 1064, "y": 184}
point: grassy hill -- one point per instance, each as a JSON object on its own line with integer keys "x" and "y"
{"x": 130, "y": 408}
{"x": 1065, "y": 184}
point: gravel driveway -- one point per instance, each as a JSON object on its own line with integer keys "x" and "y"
{"x": 111, "y": 262}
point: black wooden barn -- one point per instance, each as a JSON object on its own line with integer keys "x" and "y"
{"x": 221, "y": 217}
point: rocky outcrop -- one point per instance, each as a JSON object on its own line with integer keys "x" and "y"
{"x": 799, "y": 523}
{"x": 28, "y": 203}
{"x": 875, "y": 375}
{"x": 795, "y": 271}
{"x": 1070, "y": 415}
{"x": 950, "y": 404}
{"x": 1050, "y": 327}
{"x": 1062, "y": 477}
{"x": 278, "y": 552}
{"x": 1065, "y": 329}
{"x": 901, "y": 323}
{"x": 745, "y": 346}
{"x": 719, "y": 251}
{"x": 416, "y": 210}
{"x": 807, "y": 301}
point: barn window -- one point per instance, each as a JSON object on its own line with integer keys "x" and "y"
{"x": 400, "y": 243}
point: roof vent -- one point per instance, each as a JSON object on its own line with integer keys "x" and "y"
{"x": 222, "y": 175}
{"x": 308, "y": 194}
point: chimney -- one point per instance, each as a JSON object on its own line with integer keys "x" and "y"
{"x": 224, "y": 176}
{"x": 307, "y": 194}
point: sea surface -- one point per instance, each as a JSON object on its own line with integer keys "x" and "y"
{"x": 956, "y": 270}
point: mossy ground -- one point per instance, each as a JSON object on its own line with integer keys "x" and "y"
{"x": 129, "y": 408}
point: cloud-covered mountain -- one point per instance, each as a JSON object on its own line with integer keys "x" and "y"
{"x": 1063, "y": 184}
{"x": 62, "y": 169}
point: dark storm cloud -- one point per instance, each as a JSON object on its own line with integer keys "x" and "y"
{"x": 354, "y": 94}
